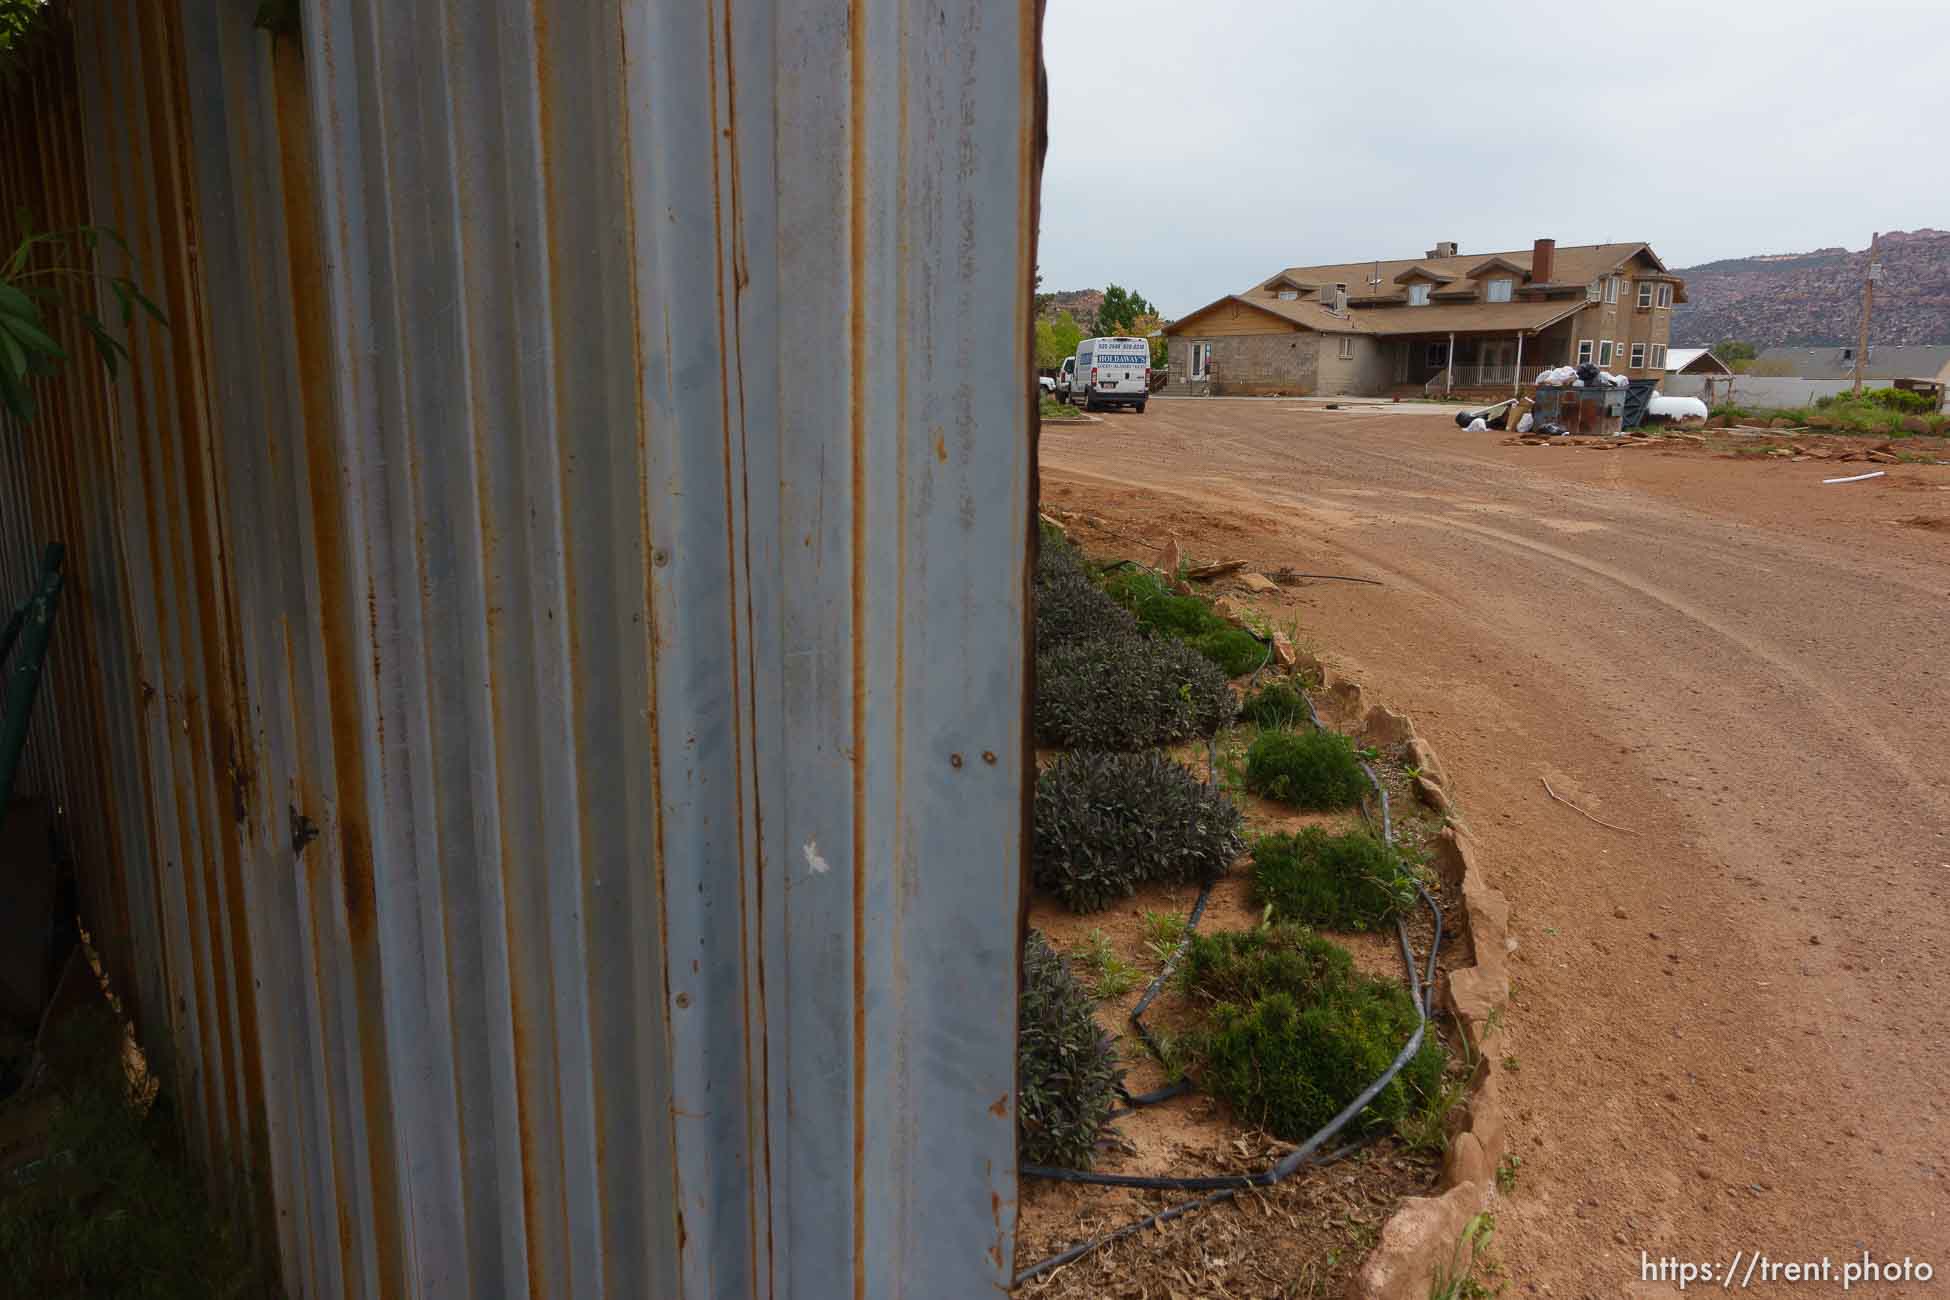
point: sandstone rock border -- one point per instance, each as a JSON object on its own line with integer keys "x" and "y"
{"x": 1419, "y": 1240}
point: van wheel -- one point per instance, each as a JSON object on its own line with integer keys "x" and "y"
{"x": 1089, "y": 403}
{"x": 1140, "y": 408}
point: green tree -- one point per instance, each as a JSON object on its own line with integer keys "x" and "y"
{"x": 1122, "y": 311}
{"x": 1056, "y": 339}
{"x": 1739, "y": 356}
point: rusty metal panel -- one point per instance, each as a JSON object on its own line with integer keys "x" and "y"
{"x": 544, "y": 730}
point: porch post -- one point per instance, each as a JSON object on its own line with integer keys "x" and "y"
{"x": 1516, "y": 376}
{"x": 1449, "y": 366}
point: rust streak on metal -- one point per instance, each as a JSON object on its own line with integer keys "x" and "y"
{"x": 338, "y": 624}
{"x": 856, "y": 19}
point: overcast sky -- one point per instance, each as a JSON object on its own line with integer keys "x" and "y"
{"x": 1195, "y": 148}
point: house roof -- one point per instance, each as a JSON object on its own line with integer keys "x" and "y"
{"x": 1304, "y": 314}
{"x": 1677, "y": 359}
{"x": 1572, "y": 266}
{"x": 1496, "y": 262}
{"x": 1436, "y": 318}
{"x": 1464, "y": 317}
{"x": 1885, "y": 361}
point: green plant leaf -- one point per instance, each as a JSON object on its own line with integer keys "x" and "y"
{"x": 142, "y": 300}
{"x": 31, "y": 335}
{"x": 107, "y": 346}
{"x": 15, "y": 303}
{"x": 16, "y": 359}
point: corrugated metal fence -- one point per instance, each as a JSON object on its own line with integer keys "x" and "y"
{"x": 538, "y": 707}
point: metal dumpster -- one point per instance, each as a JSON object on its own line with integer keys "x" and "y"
{"x": 1586, "y": 411}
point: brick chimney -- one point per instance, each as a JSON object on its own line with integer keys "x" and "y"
{"x": 1543, "y": 260}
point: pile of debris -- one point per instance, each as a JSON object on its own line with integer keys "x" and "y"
{"x": 1584, "y": 376}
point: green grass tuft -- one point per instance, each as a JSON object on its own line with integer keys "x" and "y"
{"x": 114, "y": 1209}
{"x": 1276, "y": 705}
{"x": 1235, "y": 650}
{"x": 1292, "y": 1034}
{"x": 1316, "y": 770}
{"x": 1145, "y": 594}
{"x": 1355, "y": 881}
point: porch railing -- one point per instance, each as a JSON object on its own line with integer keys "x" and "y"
{"x": 1485, "y": 376}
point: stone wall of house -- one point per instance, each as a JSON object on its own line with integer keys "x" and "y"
{"x": 1260, "y": 364}
{"x": 1367, "y": 373}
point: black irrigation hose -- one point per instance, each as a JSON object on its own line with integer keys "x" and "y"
{"x": 1223, "y": 1187}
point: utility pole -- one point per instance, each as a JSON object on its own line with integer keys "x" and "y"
{"x": 1868, "y": 302}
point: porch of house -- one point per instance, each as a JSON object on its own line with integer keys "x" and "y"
{"x": 1485, "y": 363}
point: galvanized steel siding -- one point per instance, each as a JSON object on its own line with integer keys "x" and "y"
{"x": 586, "y": 482}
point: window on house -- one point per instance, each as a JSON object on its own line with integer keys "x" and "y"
{"x": 1438, "y": 355}
{"x": 1592, "y": 290}
{"x": 1418, "y": 295}
{"x": 1658, "y": 356}
{"x": 1347, "y": 347}
{"x": 1638, "y": 356}
{"x": 1645, "y": 293}
{"x": 1604, "y": 352}
{"x": 1665, "y": 295}
{"x": 1611, "y": 289}
{"x": 1499, "y": 291}
{"x": 1288, "y": 295}
{"x": 1584, "y": 352}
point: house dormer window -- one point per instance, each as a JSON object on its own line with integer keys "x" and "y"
{"x": 1418, "y": 295}
{"x": 1611, "y": 289}
{"x": 1665, "y": 295}
{"x": 1288, "y": 295}
{"x": 1645, "y": 294}
{"x": 1593, "y": 290}
{"x": 1499, "y": 290}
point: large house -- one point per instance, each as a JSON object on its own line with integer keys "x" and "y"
{"x": 1445, "y": 322}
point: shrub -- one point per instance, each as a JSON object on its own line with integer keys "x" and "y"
{"x": 1355, "y": 881}
{"x": 1106, "y": 822}
{"x": 1308, "y": 769}
{"x": 1144, "y": 593}
{"x": 1236, "y": 651}
{"x": 1293, "y": 1035}
{"x": 1900, "y": 400}
{"x": 1070, "y": 607}
{"x": 1289, "y": 1068}
{"x": 1124, "y": 692}
{"x": 1246, "y": 965}
{"x": 1276, "y": 704}
{"x": 1066, "y": 1065}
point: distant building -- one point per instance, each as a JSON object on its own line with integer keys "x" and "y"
{"x": 1444, "y": 322}
{"x": 1885, "y": 361}
{"x": 1695, "y": 361}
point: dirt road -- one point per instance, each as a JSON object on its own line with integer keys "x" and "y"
{"x": 1729, "y": 1029}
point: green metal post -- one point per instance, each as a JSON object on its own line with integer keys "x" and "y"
{"x": 23, "y": 679}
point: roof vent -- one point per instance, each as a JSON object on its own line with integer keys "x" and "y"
{"x": 1446, "y": 248}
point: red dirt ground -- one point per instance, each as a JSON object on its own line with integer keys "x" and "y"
{"x": 1729, "y": 1026}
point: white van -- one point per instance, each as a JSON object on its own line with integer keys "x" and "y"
{"x": 1110, "y": 372}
